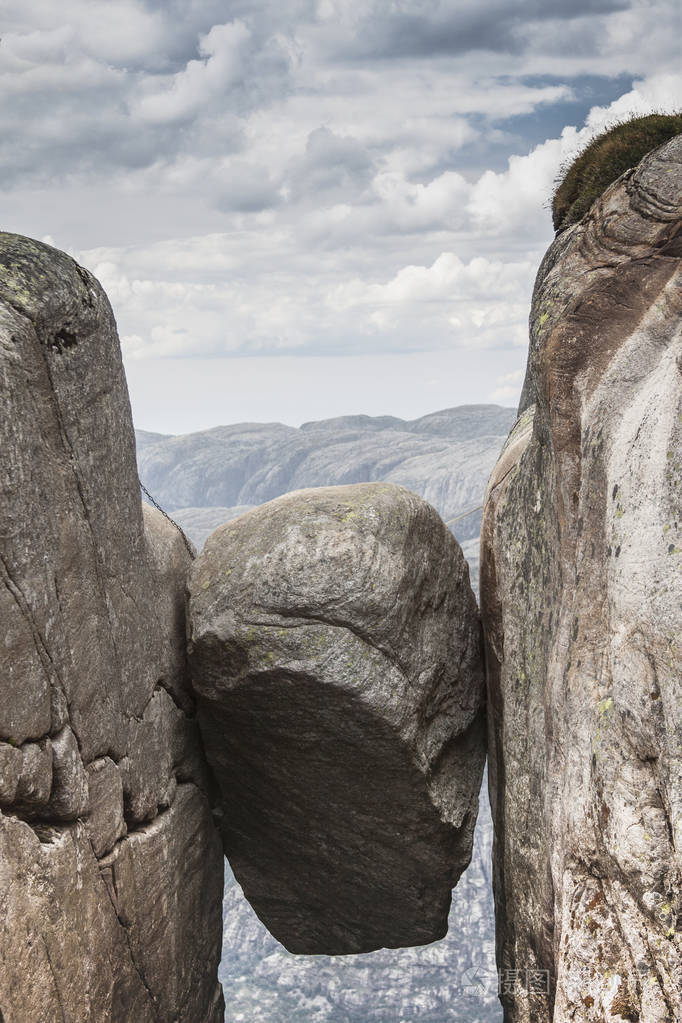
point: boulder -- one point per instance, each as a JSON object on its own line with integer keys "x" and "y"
{"x": 581, "y": 597}
{"x": 336, "y": 656}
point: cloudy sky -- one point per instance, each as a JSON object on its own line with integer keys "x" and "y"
{"x": 315, "y": 207}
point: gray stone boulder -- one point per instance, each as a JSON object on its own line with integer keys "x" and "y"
{"x": 581, "y": 596}
{"x": 110, "y": 865}
{"x": 336, "y": 655}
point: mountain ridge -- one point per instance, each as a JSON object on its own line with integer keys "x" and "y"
{"x": 444, "y": 457}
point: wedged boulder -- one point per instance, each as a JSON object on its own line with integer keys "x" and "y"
{"x": 581, "y": 597}
{"x": 96, "y": 725}
{"x": 336, "y": 655}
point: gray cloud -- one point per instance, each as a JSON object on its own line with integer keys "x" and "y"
{"x": 451, "y": 27}
{"x": 76, "y": 101}
{"x": 257, "y": 178}
{"x": 105, "y": 89}
{"x": 245, "y": 188}
{"x": 331, "y": 165}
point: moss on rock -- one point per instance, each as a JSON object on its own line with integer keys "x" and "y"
{"x": 604, "y": 160}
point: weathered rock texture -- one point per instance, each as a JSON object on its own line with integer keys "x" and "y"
{"x": 110, "y": 866}
{"x": 581, "y": 586}
{"x": 336, "y": 654}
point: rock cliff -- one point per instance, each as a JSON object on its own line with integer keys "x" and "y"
{"x": 581, "y": 590}
{"x": 110, "y": 865}
{"x": 335, "y": 651}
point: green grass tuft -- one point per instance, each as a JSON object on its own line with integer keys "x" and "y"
{"x": 604, "y": 160}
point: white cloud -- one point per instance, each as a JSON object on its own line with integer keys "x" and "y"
{"x": 661, "y": 92}
{"x": 316, "y": 278}
{"x": 447, "y": 279}
{"x": 270, "y": 185}
{"x": 500, "y": 203}
{"x": 223, "y": 53}
{"x": 413, "y": 206}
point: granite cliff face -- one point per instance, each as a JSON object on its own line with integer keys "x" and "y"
{"x": 336, "y": 654}
{"x": 581, "y": 590}
{"x": 110, "y": 865}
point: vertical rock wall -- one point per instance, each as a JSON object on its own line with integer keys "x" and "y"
{"x": 110, "y": 866}
{"x": 581, "y": 587}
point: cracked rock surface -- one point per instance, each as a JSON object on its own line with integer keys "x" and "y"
{"x": 581, "y": 595}
{"x": 110, "y": 871}
{"x": 336, "y": 653}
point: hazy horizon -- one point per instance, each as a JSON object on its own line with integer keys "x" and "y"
{"x": 305, "y": 422}
{"x": 194, "y": 416}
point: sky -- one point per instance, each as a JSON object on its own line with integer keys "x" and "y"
{"x": 318, "y": 207}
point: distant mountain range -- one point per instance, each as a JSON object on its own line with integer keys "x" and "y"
{"x": 204, "y": 479}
